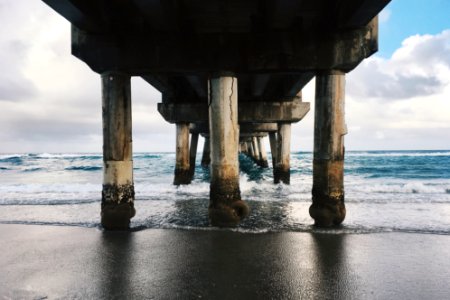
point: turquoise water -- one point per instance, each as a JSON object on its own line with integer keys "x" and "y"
{"x": 385, "y": 191}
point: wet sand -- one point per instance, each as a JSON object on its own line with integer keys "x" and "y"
{"x": 71, "y": 262}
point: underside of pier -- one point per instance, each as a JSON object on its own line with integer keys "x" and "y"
{"x": 232, "y": 72}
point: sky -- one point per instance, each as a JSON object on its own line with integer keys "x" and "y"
{"x": 398, "y": 99}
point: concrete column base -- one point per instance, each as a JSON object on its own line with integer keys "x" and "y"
{"x": 263, "y": 163}
{"x": 117, "y": 206}
{"x": 226, "y": 209}
{"x": 182, "y": 176}
{"x": 328, "y": 208}
{"x": 282, "y": 173}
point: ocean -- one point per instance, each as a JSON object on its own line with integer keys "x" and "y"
{"x": 405, "y": 191}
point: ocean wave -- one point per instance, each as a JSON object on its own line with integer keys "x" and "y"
{"x": 32, "y": 169}
{"x": 14, "y": 160}
{"x": 143, "y": 156}
{"x": 397, "y": 154}
{"x": 34, "y": 189}
{"x": 83, "y": 168}
{"x": 49, "y": 223}
{"x": 403, "y": 188}
{"x": 29, "y": 202}
{"x": 69, "y": 155}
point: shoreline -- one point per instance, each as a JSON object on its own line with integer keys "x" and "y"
{"x": 307, "y": 228}
{"x": 40, "y": 261}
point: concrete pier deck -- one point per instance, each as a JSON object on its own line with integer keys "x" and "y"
{"x": 56, "y": 262}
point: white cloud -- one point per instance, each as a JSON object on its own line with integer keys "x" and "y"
{"x": 421, "y": 67}
{"x": 406, "y": 97}
{"x": 51, "y": 101}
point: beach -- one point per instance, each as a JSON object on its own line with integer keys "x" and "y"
{"x": 67, "y": 262}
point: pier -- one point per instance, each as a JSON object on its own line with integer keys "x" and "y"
{"x": 231, "y": 72}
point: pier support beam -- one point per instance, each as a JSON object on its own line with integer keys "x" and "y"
{"x": 273, "y": 149}
{"x": 192, "y": 155}
{"x": 282, "y": 171}
{"x": 226, "y": 207}
{"x": 251, "y": 150}
{"x": 262, "y": 153}
{"x": 328, "y": 206}
{"x": 256, "y": 154}
{"x": 243, "y": 148}
{"x": 118, "y": 188}
{"x": 182, "y": 171}
{"x": 206, "y": 156}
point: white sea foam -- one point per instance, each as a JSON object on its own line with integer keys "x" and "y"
{"x": 67, "y": 155}
{"x": 400, "y": 188}
{"x": 9, "y": 156}
{"x": 396, "y": 154}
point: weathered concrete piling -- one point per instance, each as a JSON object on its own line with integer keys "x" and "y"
{"x": 192, "y": 155}
{"x": 262, "y": 153}
{"x": 182, "y": 169}
{"x": 226, "y": 207}
{"x": 118, "y": 188}
{"x": 282, "y": 172}
{"x": 206, "y": 156}
{"x": 176, "y": 49}
{"x": 254, "y": 148}
{"x": 273, "y": 150}
{"x": 256, "y": 154}
{"x": 328, "y": 167}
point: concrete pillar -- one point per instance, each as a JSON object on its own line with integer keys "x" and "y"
{"x": 243, "y": 148}
{"x": 182, "y": 172}
{"x": 118, "y": 188}
{"x": 328, "y": 206}
{"x": 251, "y": 150}
{"x": 273, "y": 148}
{"x": 192, "y": 155}
{"x": 282, "y": 167}
{"x": 256, "y": 155}
{"x": 206, "y": 157}
{"x": 226, "y": 207}
{"x": 247, "y": 149}
{"x": 262, "y": 153}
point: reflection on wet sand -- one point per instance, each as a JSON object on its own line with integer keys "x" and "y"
{"x": 114, "y": 258}
{"x": 82, "y": 263}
